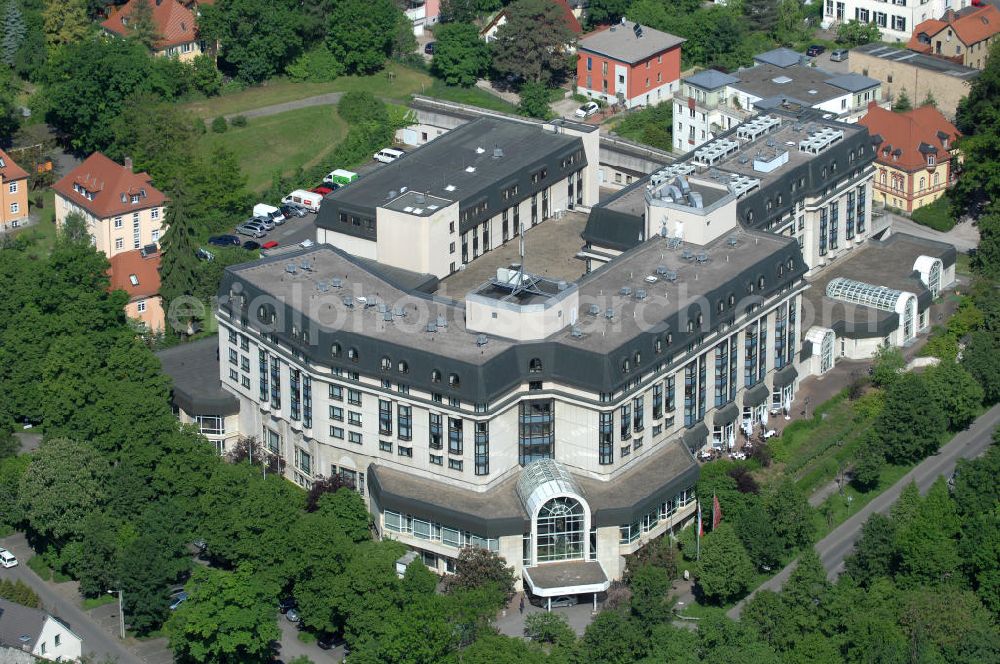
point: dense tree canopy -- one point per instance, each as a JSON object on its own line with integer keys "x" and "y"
{"x": 460, "y": 56}
{"x": 531, "y": 46}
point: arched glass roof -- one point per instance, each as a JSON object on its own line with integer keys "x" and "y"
{"x": 858, "y": 292}
{"x": 544, "y": 479}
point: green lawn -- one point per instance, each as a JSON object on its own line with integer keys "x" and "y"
{"x": 396, "y": 82}
{"x": 37, "y": 564}
{"x": 43, "y": 232}
{"x": 470, "y": 96}
{"x": 838, "y": 508}
{"x": 89, "y": 603}
{"x": 284, "y": 142}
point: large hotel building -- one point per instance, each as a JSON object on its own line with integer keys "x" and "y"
{"x": 555, "y": 421}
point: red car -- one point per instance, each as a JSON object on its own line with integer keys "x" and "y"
{"x": 322, "y": 191}
{"x": 270, "y": 244}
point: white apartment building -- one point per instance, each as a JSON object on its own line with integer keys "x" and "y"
{"x": 711, "y": 102}
{"x": 895, "y": 18}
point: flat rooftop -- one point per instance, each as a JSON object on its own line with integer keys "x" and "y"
{"x": 811, "y": 84}
{"x": 194, "y": 369}
{"x": 914, "y": 59}
{"x": 458, "y": 165}
{"x": 550, "y": 250}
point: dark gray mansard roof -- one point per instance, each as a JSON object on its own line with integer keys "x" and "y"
{"x": 194, "y": 368}
{"x": 651, "y": 479}
{"x": 593, "y": 362}
{"x": 442, "y": 163}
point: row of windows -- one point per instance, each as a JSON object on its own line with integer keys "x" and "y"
{"x": 630, "y": 532}
{"x": 436, "y": 532}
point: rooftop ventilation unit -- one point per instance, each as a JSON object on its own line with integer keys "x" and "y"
{"x": 419, "y": 199}
{"x": 744, "y": 159}
{"x": 671, "y": 276}
{"x": 626, "y": 290}
{"x": 716, "y": 151}
{"x": 305, "y": 265}
{"x": 687, "y": 254}
{"x": 449, "y": 187}
{"x": 497, "y": 152}
{"x": 481, "y": 340}
{"x": 480, "y": 150}
{"x": 661, "y": 270}
{"x": 382, "y": 307}
{"x": 336, "y": 282}
{"x": 322, "y": 286}
{"x": 470, "y": 169}
{"x": 609, "y": 314}
{"x": 732, "y": 241}
{"x": 674, "y": 242}
{"x": 576, "y": 332}
{"x": 640, "y": 293}
{"x": 741, "y": 184}
{"x": 431, "y": 327}
{"x": 391, "y": 195}
{"x": 387, "y": 316}
{"x": 348, "y": 301}
{"x": 756, "y": 127}
{"x": 669, "y": 172}
{"x": 820, "y": 140}
{"x": 398, "y": 312}
{"x": 594, "y": 310}
{"x": 702, "y": 257}
{"x": 441, "y": 321}
{"x": 290, "y": 268}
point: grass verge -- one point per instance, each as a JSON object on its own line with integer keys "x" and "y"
{"x": 470, "y": 96}
{"x": 395, "y": 82}
{"x": 89, "y": 603}
{"x": 282, "y": 142}
{"x": 41, "y": 568}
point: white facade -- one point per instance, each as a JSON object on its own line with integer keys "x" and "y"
{"x": 896, "y": 19}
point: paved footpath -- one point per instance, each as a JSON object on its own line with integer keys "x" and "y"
{"x": 833, "y": 548}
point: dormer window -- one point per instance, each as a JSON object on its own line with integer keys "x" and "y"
{"x": 352, "y": 354}
{"x": 435, "y": 376}
{"x": 133, "y": 279}
{"x": 931, "y": 160}
{"x": 453, "y": 381}
{"x": 135, "y": 198}
{"x": 335, "y": 350}
{"x": 385, "y": 364}
{"x": 535, "y": 365}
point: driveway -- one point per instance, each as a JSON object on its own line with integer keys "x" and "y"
{"x": 833, "y": 548}
{"x": 964, "y": 236}
{"x": 291, "y": 647}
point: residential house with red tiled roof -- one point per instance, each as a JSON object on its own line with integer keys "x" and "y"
{"x": 489, "y": 32}
{"x": 13, "y": 193}
{"x": 917, "y": 157}
{"x": 964, "y": 36}
{"x": 176, "y": 26}
{"x": 122, "y": 209}
{"x": 138, "y": 274}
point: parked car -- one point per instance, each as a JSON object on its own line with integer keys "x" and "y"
{"x": 839, "y": 55}
{"x": 285, "y": 604}
{"x": 266, "y": 222}
{"x": 588, "y": 109}
{"x": 224, "y": 240}
{"x": 563, "y": 600}
{"x": 387, "y": 155}
{"x": 322, "y": 191}
{"x": 291, "y": 210}
{"x": 329, "y": 641}
{"x": 178, "y": 599}
{"x": 252, "y": 228}
{"x": 250, "y": 245}
{"x": 270, "y": 244}
{"x": 292, "y": 615}
{"x": 204, "y": 255}
{"x": 815, "y": 50}
{"x": 7, "y": 558}
{"x": 429, "y": 48}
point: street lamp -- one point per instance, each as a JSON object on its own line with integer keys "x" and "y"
{"x": 121, "y": 611}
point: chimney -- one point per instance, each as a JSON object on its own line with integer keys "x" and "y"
{"x": 128, "y": 163}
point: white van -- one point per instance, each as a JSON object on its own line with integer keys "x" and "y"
{"x": 7, "y": 558}
{"x": 310, "y": 200}
{"x": 270, "y": 212}
{"x": 388, "y": 155}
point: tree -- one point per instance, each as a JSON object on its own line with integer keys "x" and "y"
{"x": 535, "y": 101}
{"x": 977, "y": 112}
{"x": 789, "y": 513}
{"x": 178, "y": 262}
{"x": 868, "y": 462}
{"x": 65, "y": 482}
{"x": 12, "y": 469}
{"x": 316, "y": 65}
{"x": 957, "y": 392}
{"x": 855, "y": 33}
{"x": 911, "y": 422}
{"x": 651, "y": 125}
{"x": 257, "y": 38}
{"x": 888, "y": 363}
{"x": 460, "y": 56}
{"x": 66, "y": 21}
{"x": 10, "y": 120}
{"x": 805, "y": 592}
{"x": 651, "y": 595}
{"x": 726, "y": 570}
{"x": 761, "y": 542}
{"x": 360, "y": 34}
{"x": 986, "y": 262}
{"x": 141, "y": 25}
{"x": 902, "y": 103}
{"x": 205, "y": 76}
{"x": 771, "y": 617}
{"x": 981, "y": 358}
{"x": 531, "y": 46}
{"x": 347, "y": 509}
{"x": 465, "y": 11}
{"x": 500, "y": 649}
{"x": 927, "y": 546}
{"x": 604, "y": 12}
{"x": 12, "y": 32}
{"x": 761, "y": 15}
{"x": 547, "y": 627}
{"x": 789, "y": 26}
{"x": 418, "y": 580}
{"x": 476, "y": 568}
{"x": 612, "y": 639}
{"x": 228, "y": 618}
{"x": 362, "y": 107}
{"x": 100, "y": 536}
{"x": 929, "y": 100}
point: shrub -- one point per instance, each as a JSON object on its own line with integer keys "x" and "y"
{"x": 937, "y": 215}
{"x": 219, "y": 125}
{"x": 316, "y": 65}
{"x": 239, "y": 121}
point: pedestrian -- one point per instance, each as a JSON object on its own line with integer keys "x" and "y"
{"x": 521, "y": 607}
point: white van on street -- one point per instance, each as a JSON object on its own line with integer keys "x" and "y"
{"x": 388, "y": 155}
{"x": 310, "y": 200}
{"x": 270, "y": 212}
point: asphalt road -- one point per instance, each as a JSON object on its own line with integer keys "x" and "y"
{"x": 833, "y": 548}
{"x": 96, "y": 641}
{"x": 964, "y": 236}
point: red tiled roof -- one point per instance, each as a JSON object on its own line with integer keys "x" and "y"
{"x": 971, "y": 25}
{"x": 10, "y": 170}
{"x": 175, "y": 23}
{"x": 137, "y": 276}
{"x": 909, "y": 137}
{"x": 108, "y": 184}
